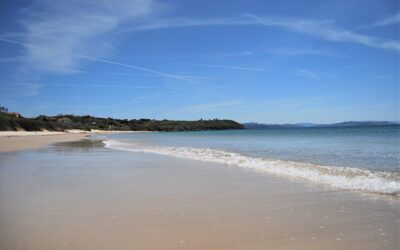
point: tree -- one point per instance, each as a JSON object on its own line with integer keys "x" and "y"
{"x": 3, "y": 109}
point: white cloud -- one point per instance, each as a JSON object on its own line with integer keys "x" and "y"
{"x": 20, "y": 89}
{"x": 324, "y": 29}
{"x": 387, "y": 21}
{"x": 88, "y": 58}
{"x": 108, "y": 85}
{"x": 209, "y": 106}
{"x": 303, "y": 52}
{"x": 306, "y": 74}
{"x": 13, "y": 59}
{"x": 57, "y": 30}
{"x": 226, "y": 67}
{"x": 189, "y": 22}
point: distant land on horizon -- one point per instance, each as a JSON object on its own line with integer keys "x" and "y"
{"x": 255, "y": 125}
{"x": 13, "y": 121}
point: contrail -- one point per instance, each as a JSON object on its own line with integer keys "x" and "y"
{"x": 109, "y": 62}
{"x": 135, "y": 67}
{"x": 225, "y": 67}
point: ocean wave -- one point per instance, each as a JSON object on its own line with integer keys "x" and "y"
{"x": 339, "y": 177}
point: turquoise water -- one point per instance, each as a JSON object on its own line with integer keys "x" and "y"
{"x": 349, "y": 157}
{"x": 376, "y": 148}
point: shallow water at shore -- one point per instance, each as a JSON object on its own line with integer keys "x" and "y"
{"x": 81, "y": 195}
{"x": 354, "y": 158}
{"x": 374, "y": 148}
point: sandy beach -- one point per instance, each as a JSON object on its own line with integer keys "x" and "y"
{"x": 199, "y": 125}
{"x": 80, "y": 195}
{"x": 19, "y": 140}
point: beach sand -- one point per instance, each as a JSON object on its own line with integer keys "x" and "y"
{"x": 80, "y": 195}
{"x": 19, "y": 140}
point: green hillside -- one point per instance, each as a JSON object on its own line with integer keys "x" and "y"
{"x": 9, "y": 122}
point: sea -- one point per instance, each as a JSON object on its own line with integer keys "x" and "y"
{"x": 365, "y": 158}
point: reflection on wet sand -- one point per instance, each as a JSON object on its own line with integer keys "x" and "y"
{"x": 80, "y": 195}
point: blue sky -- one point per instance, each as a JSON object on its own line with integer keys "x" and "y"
{"x": 265, "y": 61}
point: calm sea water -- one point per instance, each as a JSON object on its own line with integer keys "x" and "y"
{"x": 357, "y": 153}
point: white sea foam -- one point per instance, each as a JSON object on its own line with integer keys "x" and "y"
{"x": 339, "y": 177}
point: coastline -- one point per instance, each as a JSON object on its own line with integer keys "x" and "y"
{"x": 11, "y": 141}
{"x": 86, "y": 196}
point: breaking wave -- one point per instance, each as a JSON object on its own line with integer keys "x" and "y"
{"x": 339, "y": 177}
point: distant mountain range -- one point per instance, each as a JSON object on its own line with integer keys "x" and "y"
{"x": 255, "y": 125}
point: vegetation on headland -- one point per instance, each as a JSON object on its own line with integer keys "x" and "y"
{"x": 15, "y": 122}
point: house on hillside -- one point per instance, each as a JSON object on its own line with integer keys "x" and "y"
{"x": 64, "y": 121}
{"x": 15, "y": 114}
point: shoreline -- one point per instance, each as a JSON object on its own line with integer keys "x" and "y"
{"x": 11, "y": 141}
{"x": 84, "y": 197}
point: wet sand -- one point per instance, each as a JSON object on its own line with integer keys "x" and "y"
{"x": 80, "y": 195}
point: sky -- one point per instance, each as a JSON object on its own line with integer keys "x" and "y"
{"x": 247, "y": 60}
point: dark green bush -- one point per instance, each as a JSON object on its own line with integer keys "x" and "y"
{"x": 63, "y": 122}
